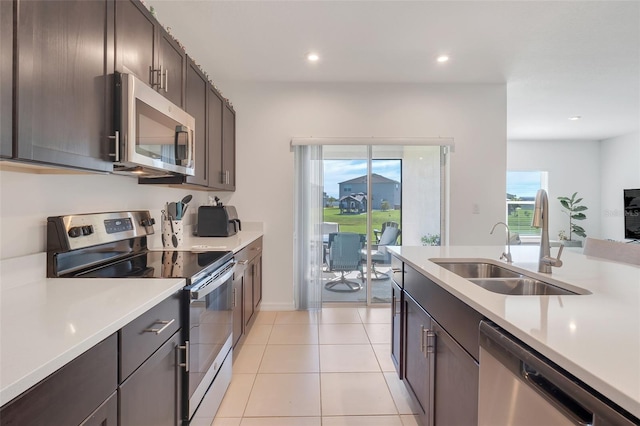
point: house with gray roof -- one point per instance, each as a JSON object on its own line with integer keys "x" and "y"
{"x": 382, "y": 188}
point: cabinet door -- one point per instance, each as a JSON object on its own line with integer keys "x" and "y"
{"x": 397, "y": 301}
{"x": 196, "y": 105}
{"x": 238, "y": 324}
{"x": 135, "y": 40}
{"x": 151, "y": 395}
{"x": 456, "y": 382}
{"x": 6, "y": 78}
{"x": 172, "y": 59}
{"x": 257, "y": 282}
{"x": 214, "y": 139}
{"x": 247, "y": 302}
{"x": 229, "y": 148}
{"x": 105, "y": 415}
{"x": 64, "y": 83}
{"x": 418, "y": 359}
{"x": 70, "y": 394}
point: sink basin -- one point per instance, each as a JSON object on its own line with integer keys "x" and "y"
{"x": 498, "y": 279}
{"x": 478, "y": 270}
{"x": 520, "y": 286}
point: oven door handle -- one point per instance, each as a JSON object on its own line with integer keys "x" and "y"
{"x": 200, "y": 292}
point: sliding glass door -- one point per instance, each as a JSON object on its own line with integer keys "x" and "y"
{"x": 375, "y": 197}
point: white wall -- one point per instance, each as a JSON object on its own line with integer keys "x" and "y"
{"x": 27, "y": 199}
{"x": 270, "y": 114}
{"x": 620, "y": 169}
{"x": 572, "y": 166}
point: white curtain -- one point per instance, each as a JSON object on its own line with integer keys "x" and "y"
{"x": 308, "y": 221}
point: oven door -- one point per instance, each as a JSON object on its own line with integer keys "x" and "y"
{"x": 210, "y": 325}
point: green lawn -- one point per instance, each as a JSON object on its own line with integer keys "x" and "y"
{"x": 358, "y": 222}
{"x": 520, "y": 221}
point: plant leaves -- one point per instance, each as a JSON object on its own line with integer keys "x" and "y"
{"x": 565, "y": 204}
{"x": 578, "y": 216}
{"x": 580, "y": 208}
{"x": 563, "y": 198}
{"x": 577, "y": 201}
{"x": 577, "y": 228}
{"x": 580, "y": 233}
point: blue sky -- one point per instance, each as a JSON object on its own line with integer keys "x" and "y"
{"x": 523, "y": 184}
{"x": 336, "y": 171}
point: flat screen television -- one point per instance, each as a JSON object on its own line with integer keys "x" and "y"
{"x": 632, "y": 214}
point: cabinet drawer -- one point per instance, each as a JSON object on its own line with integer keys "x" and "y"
{"x": 144, "y": 335}
{"x": 70, "y": 394}
{"x": 249, "y": 252}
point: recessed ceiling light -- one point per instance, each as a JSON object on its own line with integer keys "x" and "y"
{"x": 575, "y": 118}
{"x": 313, "y": 57}
{"x": 442, "y": 58}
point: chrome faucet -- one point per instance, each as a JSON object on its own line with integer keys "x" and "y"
{"x": 505, "y": 256}
{"x": 541, "y": 220}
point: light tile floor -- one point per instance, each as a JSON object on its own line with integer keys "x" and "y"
{"x": 330, "y": 368}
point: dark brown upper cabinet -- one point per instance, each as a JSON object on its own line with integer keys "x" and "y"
{"x": 6, "y": 78}
{"x": 228, "y": 148}
{"x": 145, "y": 49}
{"x": 63, "y": 98}
{"x": 196, "y": 105}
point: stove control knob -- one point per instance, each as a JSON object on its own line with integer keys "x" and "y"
{"x": 75, "y": 232}
{"x": 148, "y": 222}
{"x": 87, "y": 230}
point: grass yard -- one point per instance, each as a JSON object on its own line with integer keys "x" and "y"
{"x": 358, "y": 222}
{"x": 521, "y": 223}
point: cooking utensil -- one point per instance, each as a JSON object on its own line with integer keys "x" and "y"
{"x": 172, "y": 211}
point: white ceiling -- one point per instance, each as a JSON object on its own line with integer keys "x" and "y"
{"x": 558, "y": 58}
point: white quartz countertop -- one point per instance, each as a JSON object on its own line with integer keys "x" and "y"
{"x": 595, "y": 337}
{"x": 47, "y": 322}
{"x": 234, "y": 243}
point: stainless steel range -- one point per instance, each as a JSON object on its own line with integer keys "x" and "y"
{"x": 114, "y": 245}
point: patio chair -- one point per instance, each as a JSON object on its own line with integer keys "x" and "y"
{"x": 378, "y": 233}
{"x": 344, "y": 256}
{"x": 379, "y": 253}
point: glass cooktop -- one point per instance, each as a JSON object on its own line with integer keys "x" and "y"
{"x": 160, "y": 264}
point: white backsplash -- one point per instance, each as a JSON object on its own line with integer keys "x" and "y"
{"x": 27, "y": 199}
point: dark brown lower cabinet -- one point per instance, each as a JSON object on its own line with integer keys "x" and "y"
{"x": 71, "y": 394}
{"x": 238, "y": 306}
{"x": 419, "y": 362}
{"x": 150, "y": 395}
{"x": 439, "y": 365}
{"x": 106, "y": 414}
{"x": 397, "y": 328}
{"x": 456, "y": 382}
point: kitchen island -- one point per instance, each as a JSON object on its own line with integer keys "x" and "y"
{"x": 595, "y": 336}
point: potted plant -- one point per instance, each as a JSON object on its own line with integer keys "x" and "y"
{"x": 574, "y": 210}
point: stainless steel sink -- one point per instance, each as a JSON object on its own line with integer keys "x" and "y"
{"x": 498, "y": 279}
{"x": 478, "y": 270}
{"x": 520, "y": 286}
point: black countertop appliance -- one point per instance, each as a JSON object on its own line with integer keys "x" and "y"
{"x": 217, "y": 221}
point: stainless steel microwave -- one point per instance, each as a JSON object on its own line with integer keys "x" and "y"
{"x": 153, "y": 136}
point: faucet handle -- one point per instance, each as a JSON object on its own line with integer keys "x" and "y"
{"x": 554, "y": 261}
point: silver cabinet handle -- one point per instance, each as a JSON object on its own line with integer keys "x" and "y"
{"x": 234, "y": 297}
{"x": 422, "y": 342}
{"x": 185, "y": 364}
{"x": 116, "y": 138}
{"x": 166, "y": 80}
{"x": 431, "y": 342}
{"x": 242, "y": 262}
{"x": 161, "y": 329}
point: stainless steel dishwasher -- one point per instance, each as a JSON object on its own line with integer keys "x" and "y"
{"x": 519, "y": 387}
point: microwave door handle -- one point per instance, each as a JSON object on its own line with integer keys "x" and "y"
{"x": 180, "y": 129}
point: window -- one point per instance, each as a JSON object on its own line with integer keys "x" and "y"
{"x": 522, "y": 187}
